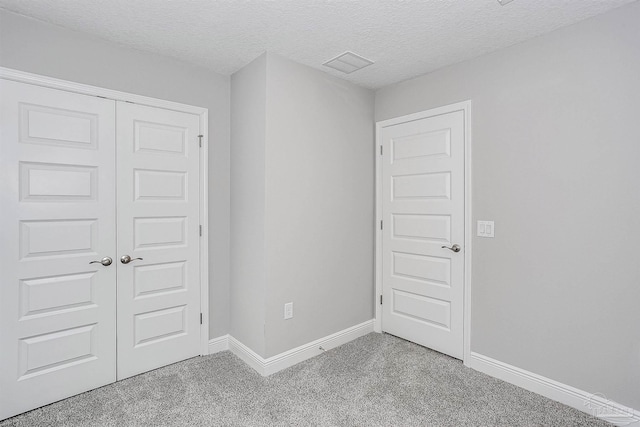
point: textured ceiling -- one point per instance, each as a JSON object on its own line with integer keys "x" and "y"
{"x": 404, "y": 38}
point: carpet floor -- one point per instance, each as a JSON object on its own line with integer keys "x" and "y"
{"x": 376, "y": 380}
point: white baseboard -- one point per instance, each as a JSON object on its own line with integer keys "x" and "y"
{"x": 592, "y": 403}
{"x": 294, "y": 356}
{"x": 219, "y": 344}
{"x": 595, "y": 404}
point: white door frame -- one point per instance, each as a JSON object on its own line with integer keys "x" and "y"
{"x": 464, "y": 106}
{"x": 203, "y": 113}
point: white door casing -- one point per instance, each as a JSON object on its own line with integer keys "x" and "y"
{"x": 422, "y": 205}
{"x": 57, "y": 178}
{"x": 158, "y": 221}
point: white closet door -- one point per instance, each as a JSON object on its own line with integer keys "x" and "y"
{"x": 158, "y": 222}
{"x": 57, "y": 194}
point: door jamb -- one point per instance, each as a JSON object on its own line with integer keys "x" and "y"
{"x": 464, "y": 106}
{"x": 203, "y": 113}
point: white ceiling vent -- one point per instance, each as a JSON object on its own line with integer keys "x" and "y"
{"x": 348, "y": 62}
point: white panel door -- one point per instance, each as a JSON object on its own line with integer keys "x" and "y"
{"x": 423, "y": 210}
{"x": 158, "y": 228}
{"x": 57, "y": 195}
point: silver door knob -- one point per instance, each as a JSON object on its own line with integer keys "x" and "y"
{"x": 126, "y": 259}
{"x": 454, "y": 248}
{"x": 106, "y": 261}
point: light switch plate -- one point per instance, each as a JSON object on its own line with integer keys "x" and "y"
{"x": 486, "y": 229}
{"x": 288, "y": 310}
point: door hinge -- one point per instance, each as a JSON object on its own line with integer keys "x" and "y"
{"x": 381, "y": 225}
{"x": 380, "y": 298}
{"x": 381, "y": 150}
{"x": 201, "y": 318}
{"x": 200, "y": 140}
{"x": 200, "y": 231}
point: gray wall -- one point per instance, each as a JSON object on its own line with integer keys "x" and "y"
{"x": 36, "y": 47}
{"x": 302, "y": 199}
{"x": 248, "y": 290}
{"x": 556, "y": 154}
{"x": 319, "y": 200}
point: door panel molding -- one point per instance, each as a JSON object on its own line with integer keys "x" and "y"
{"x": 203, "y": 113}
{"x": 66, "y": 301}
{"x": 57, "y": 330}
{"x": 410, "y": 151}
{"x": 157, "y": 223}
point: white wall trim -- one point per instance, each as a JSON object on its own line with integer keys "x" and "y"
{"x": 53, "y": 83}
{"x": 464, "y": 106}
{"x": 204, "y": 239}
{"x": 203, "y": 113}
{"x": 468, "y": 229}
{"x": 299, "y": 354}
{"x": 377, "y": 265}
{"x": 248, "y": 356}
{"x": 592, "y": 403}
{"x": 216, "y": 345}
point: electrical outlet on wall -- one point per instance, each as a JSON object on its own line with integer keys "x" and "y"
{"x": 288, "y": 310}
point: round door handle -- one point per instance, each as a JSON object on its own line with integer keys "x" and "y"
{"x": 106, "y": 261}
{"x": 454, "y": 248}
{"x": 126, "y": 259}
